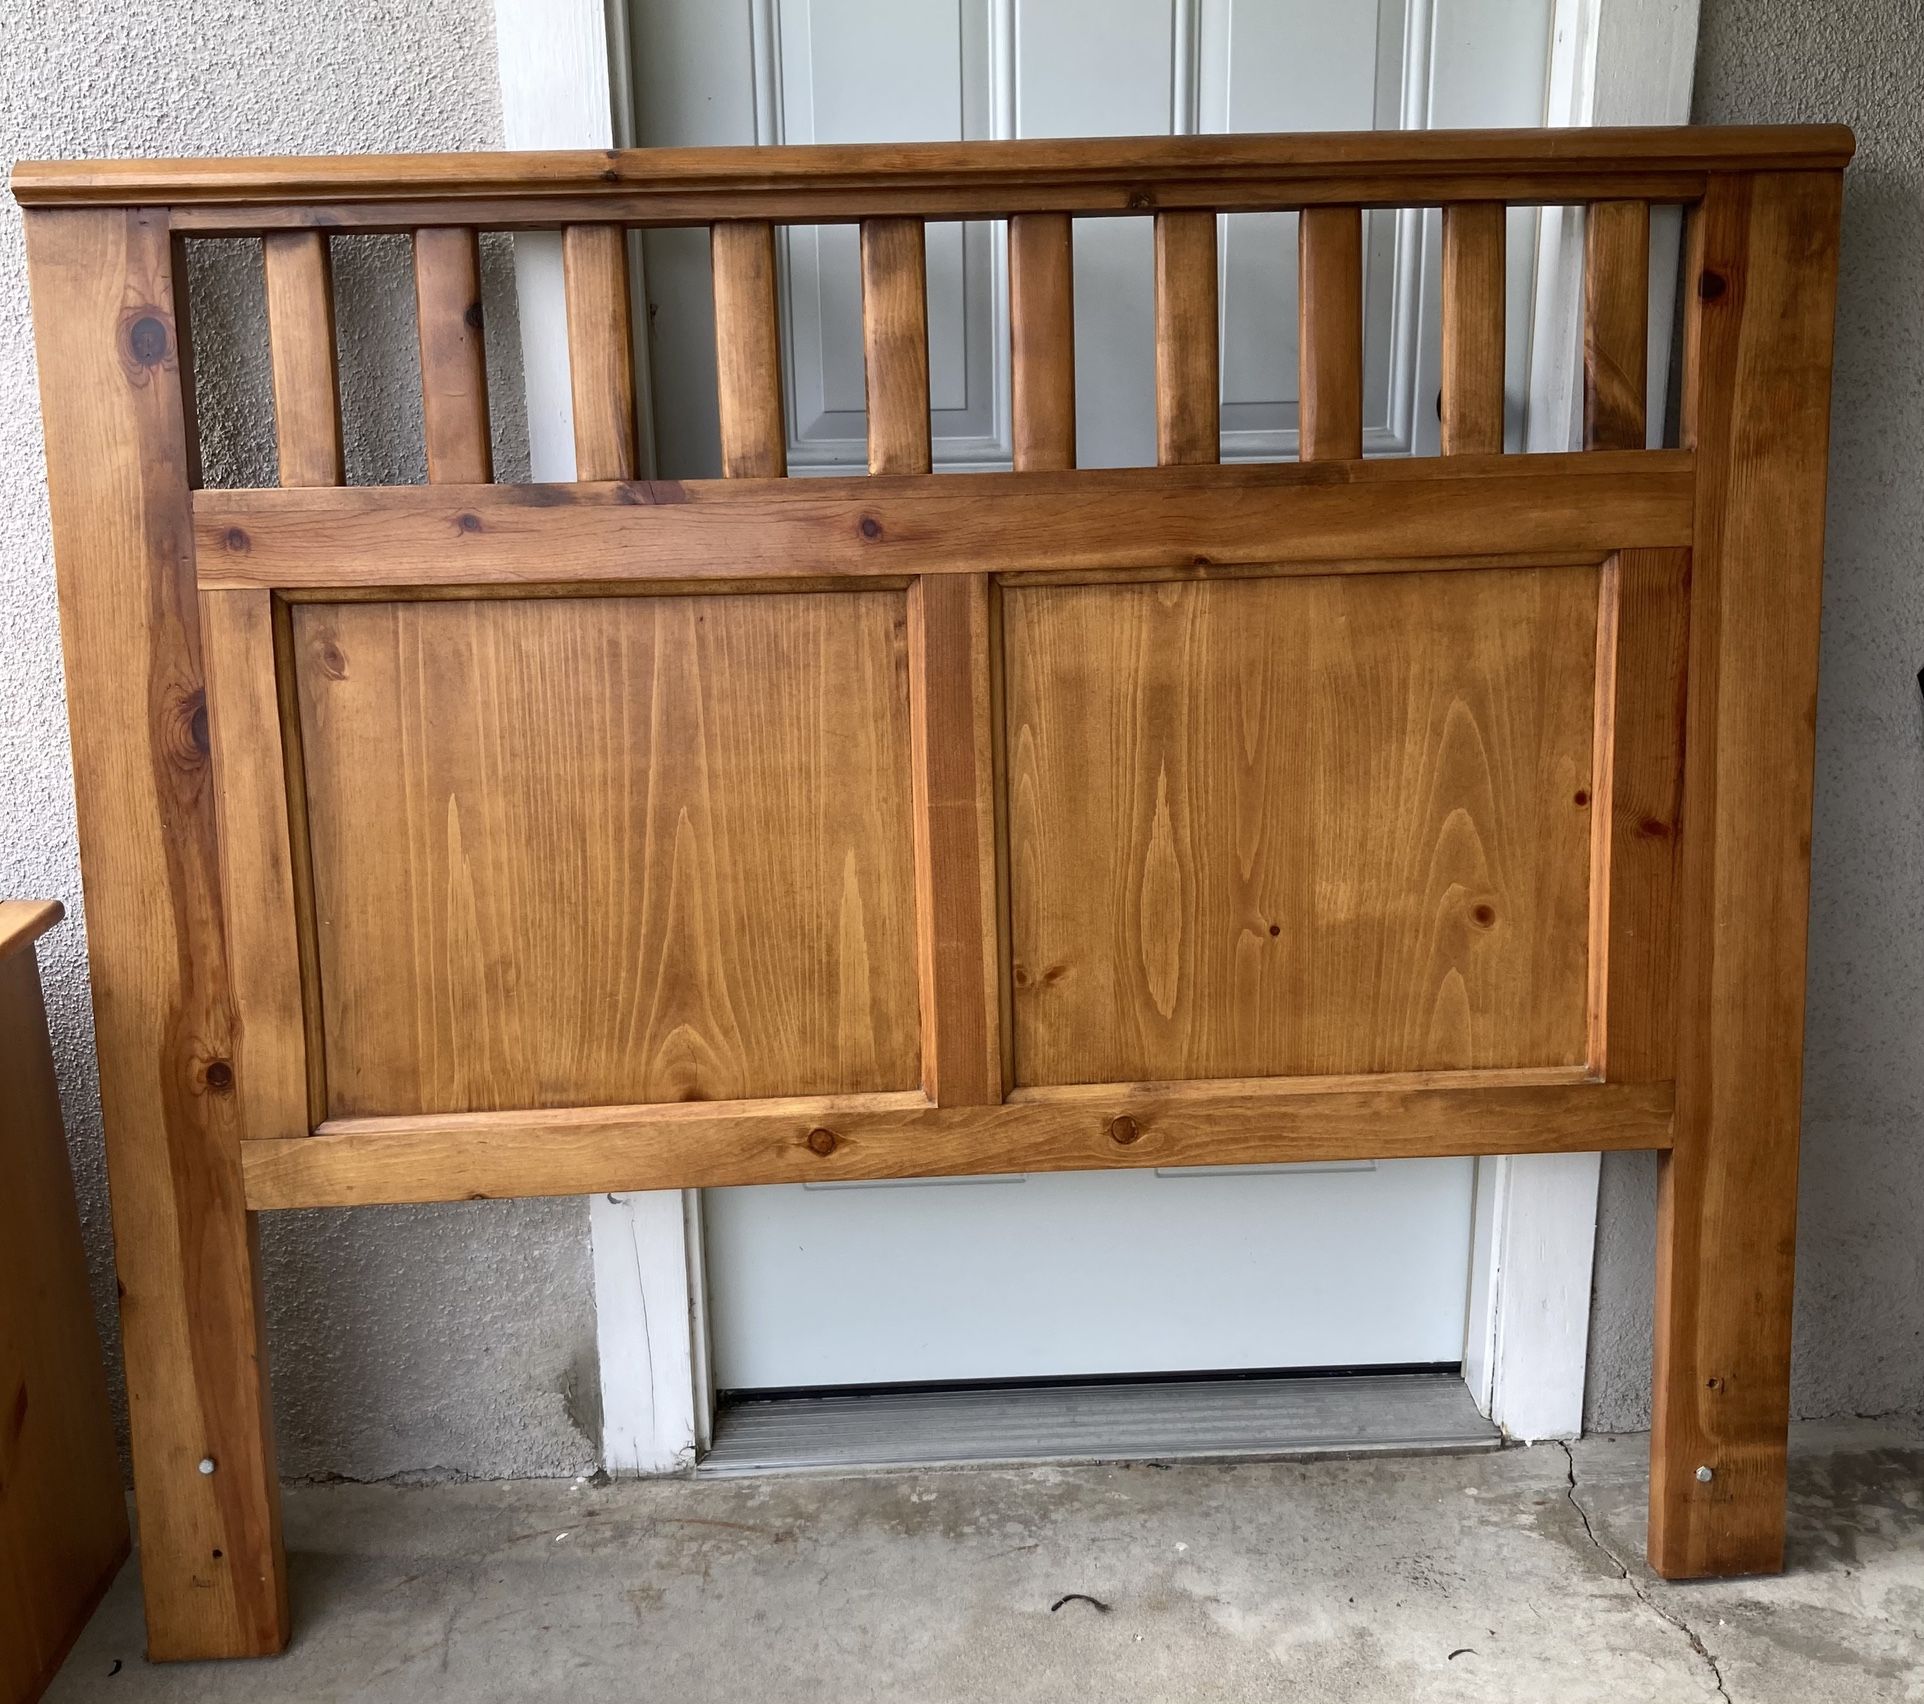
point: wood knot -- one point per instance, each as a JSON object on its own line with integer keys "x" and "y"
{"x": 1582, "y": 797}
{"x": 471, "y": 317}
{"x": 1123, "y": 1129}
{"x": 1711, "y": 285}
{"x": 821, "y": 1141}
{"x": 1652, "y": 828}
{"x": 236, "y": 540}
{"x": 333, "y": 660}
{"x": 1139, "y": 199}
{"x": 147, "y": 340}
{"x": 468, "y": 522}
{"x": 218, "y": 1075}
{"x": 1483, "y": 916}
{"x": 870, "y": 528}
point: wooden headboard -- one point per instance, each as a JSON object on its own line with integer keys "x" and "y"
{"x": 471, "y": 839}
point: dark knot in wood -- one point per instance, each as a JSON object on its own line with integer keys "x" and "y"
{"x": 821, "y": 1141}
{"x": 1124, "y": 1129}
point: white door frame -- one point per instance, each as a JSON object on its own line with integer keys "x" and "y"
{"x": 564, "y": 71}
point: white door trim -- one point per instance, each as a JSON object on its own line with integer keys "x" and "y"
{"x": 1528, "y": 1333}
{"x": 564, "y": 83}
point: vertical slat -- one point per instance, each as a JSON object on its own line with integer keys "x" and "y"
{"x": 112, "y": 367}
{"x": 1616, "y": 334}
{"x": 895, "y": 343}
{"x": 1473, "y": 329}
{"x": 952, "y": 720}
{"x": 307, "y": 391}
{"x": 454, "y": 368}
{"x": 1188, "y": 377}
{"x": 1330, "y": 265}
{"x": 748, "y": 355}
{"x": 601, "y": 356}
{"x": 1761, "y": 294}
{"x": 755, "y": 439}
{"x": 1042, "y": 339}
{"x": 258, "y": 889}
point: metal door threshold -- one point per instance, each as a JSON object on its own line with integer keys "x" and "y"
{"x": 1231, "y": 1419}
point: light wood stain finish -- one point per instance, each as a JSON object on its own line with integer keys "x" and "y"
{"x": 1042, "y": 341}
{"x": 1473, "y": 288}
{"x": 63, "y": 1519}
{"x": 1760, "y": 287}
{"x": 748, "y": 356}
{"x": 1330, "y": 342}
{"x": 299, "y": 278}
{"x": 1203, "y": 879}
{"x": 571, "y": 851}
{"x": 113, "y": 361}
{"x": 895, "y": 345}
{"x": 601, "y": 356}
{"x": 628, "y": 834}
{"x": 1616, "y": 318}
{"x": 1188, "y": 366}
{"x": 454, "y": 365}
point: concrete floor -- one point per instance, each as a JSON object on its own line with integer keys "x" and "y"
{"x": 1509, "y": 1576}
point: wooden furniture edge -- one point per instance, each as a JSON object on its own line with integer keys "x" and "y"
{"x": 473, "y": 1156}
{"x": 1112, "y": 174}
{"x": 1177, "y": 518}
{"x": 24, "y": 921}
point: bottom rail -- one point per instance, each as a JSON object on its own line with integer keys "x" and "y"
{"x": 1084, "y": 1127}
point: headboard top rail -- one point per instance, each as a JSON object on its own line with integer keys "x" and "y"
{"x": 825, "y": 183}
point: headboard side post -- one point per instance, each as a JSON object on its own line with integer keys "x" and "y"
{"x": 113, "y": 372}
{"x": 1760, "y": 285}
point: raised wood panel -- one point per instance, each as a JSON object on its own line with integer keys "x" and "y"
{"x": 580, "y": 851}
{"x": 1300, "y": 825}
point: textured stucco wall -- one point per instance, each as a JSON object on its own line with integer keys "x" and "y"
{"x": 1860, "y": 1282}
{"x": 440, "y": 1340}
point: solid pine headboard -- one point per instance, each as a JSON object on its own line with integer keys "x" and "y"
{"x": 473, "y": 839}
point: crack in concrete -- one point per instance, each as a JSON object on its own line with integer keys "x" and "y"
{"x": 1636, "y": 1586}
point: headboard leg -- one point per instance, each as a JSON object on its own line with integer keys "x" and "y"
{"x": 114, "y": 393}
{"x": 1761, "y": 288}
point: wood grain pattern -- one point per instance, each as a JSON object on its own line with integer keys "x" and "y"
{"x": 1188, "y": 368}
{"x": 895, "y": 345}
{"x": 951, "y": 632}
{"x": 601, "y": 355}
{"x": 454, "y": 361}
{"x": 271, "y": 1069}
{"x": 577, "y": 851}
{"x": 696, "y": 186}
{"x": 1639, "y": 789}
{"x": 1188, "y": 520}
{"x": 1761, "y": 294}
{"x": 111, "y": 357}
{"x": 846, "y": 1139}
{"x": 1616, "y": 315}
{"x": 63, "y": 1518}
{"x": 1268, "y": 827}
{"x": 307, "y": 392}
{"x": 1330, "y": 341}
{"x": 1472, "y": 355}
{"x": 1042, "y": 341}
{"x": 748, "y": 354}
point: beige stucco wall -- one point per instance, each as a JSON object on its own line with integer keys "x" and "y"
{"x": 439, "y": 1340}
{"x": 1860, "y": 1281}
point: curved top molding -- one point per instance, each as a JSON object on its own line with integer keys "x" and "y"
{"x": 820, "y": 184}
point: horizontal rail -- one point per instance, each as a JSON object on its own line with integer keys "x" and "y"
{"x": 695, "y": 1145}
{"x": 935, "y": 180}
{"x": 773, "y": 530}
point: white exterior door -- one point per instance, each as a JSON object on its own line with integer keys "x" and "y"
{"x": 1030, "y": 1277}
